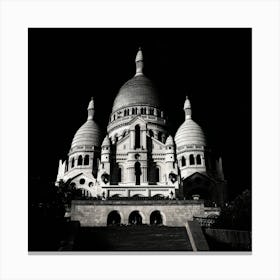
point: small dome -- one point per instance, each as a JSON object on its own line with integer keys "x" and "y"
{"x": 169, "y": 141}
{"x": 88, "y": 134}
{"x": 137, "y": 91}
{"x": 189, "y": 133}
{"x": 106, "y": 141}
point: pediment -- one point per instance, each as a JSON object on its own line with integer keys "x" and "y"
{"x": 200, "y": 176}
{"x": 137, "y": 120}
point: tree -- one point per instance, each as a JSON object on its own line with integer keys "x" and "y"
{"x": 238, "y": 214}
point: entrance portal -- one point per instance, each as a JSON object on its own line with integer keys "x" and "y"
{"x": 156, "y": 218}
{"x": 114, "y": 218}
{"x": 135, "y": 218}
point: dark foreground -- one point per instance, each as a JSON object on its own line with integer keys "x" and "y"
{"x": 132, "y": 238}
{"x": 60, "y": 235}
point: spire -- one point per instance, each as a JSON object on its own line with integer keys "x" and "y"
{"x": 139, "y": 62}
{"x": 188, "y": 108}
{"x": 91, "y": 109}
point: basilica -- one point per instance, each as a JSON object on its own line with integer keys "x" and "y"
{"x": 138, "y": 158}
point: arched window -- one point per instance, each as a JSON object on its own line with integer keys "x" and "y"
{"x": 119, "y": 174}
{"x": 198, "y": 159}
{"x": 191, "y": 160}
{"x": 142, "y": 111}
{"x": 151, "y": 111}
{"x": 137, "y": 136}
{"x": 137, "y": 168}
{"x": 157, "y": 174}
{"x": 72, "y": 162}
{"x": 133, "y": 111}
{"x": 124, "y": 112}
{"x": 86, "y": 160}
{"x": 160, "y": 136}
{"x": 80, "y": 160}
{"x": 183, "y": 161}
{"x": 136, "y": 111}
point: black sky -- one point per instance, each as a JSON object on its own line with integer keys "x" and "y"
{"x": 212, "y": 66}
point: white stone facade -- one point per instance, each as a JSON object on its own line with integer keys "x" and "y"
{"x": 138, "y": 157}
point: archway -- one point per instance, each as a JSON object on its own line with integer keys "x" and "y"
{"x": 114, "y": 218}
{"x": 156, "y": 218}
{"x": 135, "y": 218}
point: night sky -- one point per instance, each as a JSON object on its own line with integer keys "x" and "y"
{"x": 212, "y": 66}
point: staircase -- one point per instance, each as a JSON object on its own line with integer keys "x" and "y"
{"x": 132, "y": 238}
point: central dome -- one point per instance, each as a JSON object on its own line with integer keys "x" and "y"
{"x": 137, "y": 91}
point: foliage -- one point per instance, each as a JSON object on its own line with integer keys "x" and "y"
{"x": 238, "y": 214}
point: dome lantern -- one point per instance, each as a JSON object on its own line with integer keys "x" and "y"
{"x": 139, "y": 60}
{"x": 91, "y": 109}
{"x": 187, "y": 109}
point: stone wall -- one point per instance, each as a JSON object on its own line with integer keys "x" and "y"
{"x": 173, "y": 212}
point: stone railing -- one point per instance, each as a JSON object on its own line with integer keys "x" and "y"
{"x": 205, "y": 222}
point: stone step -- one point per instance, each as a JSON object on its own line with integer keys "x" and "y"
{"x": 132, "y": 238}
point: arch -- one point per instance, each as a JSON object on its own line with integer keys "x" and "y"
{"x": 191, "y": 159}
{"x": 145, "y": 111}
{"x": 133, "y": 111}
{"x": 117, "y": 195}
{"x": 72, "y": 162}
{"x": 198, "y": 159}
{"x": 158, "y": 196}
{"x": 86, "y": 160}
{"x": 80, "y": 160}
{"x": 157, "y": 174}
{"x": 137, "y": 136}
{"x": 135, "y": 218}
{"x": 114, "y": 218}
{"x": 137, "y": 167}
{"x": 183, "y": 161}
{"x": 142, "y": 110}
{"x": 151, "y": 111}
{"x": 156, "y": 218}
